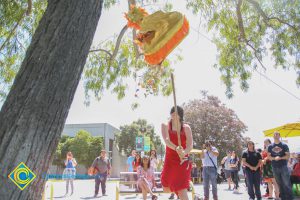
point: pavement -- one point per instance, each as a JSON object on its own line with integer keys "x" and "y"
{"x": 84, "y": 189}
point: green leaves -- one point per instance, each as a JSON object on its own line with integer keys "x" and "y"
{"x": 83, "y": 146}
{"x": 17, "y": 26}
{"x": 126, "y": 139}
{"x": 103, "y": 73}
{"x": 242, "y": 41}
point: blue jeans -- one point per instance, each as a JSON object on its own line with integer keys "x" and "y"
{"x": 100, "y": 179}
{"x": 210, "y": 174}
{"x": 253, "y": 180}
{"x": 282, "y": 177}
{"x": 235, "y": 178}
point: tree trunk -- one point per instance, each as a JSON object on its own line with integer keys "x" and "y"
{"x": 34, "y": 113}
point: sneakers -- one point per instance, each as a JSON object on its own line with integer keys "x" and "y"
{"x": 266, "y": 195}
{"x": 154, "y": 197}
{"x": 172, "y": 196}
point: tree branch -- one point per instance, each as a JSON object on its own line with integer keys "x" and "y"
{"x": 243, "y": 37}
{"x": 256, "y": 56}
{"x": 103, "y": 50}
{"x": 12, "y": 32}
{"x": 267, "y": 19}
{"x": 29, "y": 8}
{"x": 240, "y": 21}
{"x": 136, "y": 48}
{"x": 114, "y": 54}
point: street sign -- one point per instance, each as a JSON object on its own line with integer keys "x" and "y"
{"x": 139, "y": 143}
{"x": 146, "y": 144}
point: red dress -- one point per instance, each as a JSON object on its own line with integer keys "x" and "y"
{"x": 174, "y": 175}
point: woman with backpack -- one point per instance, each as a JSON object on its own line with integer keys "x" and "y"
{"x": 267, "y": 170}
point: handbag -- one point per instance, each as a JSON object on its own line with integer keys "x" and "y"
{"x": 219, "y": 177}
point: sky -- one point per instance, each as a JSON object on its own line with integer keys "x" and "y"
{"x": 263, "y": 107}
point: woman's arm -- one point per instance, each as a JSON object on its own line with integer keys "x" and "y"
{"x": 166, "y": 137}
{"x": 74, "y": 162}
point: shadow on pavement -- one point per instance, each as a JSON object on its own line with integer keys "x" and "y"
{"x": 92, "y": 197}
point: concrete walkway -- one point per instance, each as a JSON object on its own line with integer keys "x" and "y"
{"x": 84, "y": 189}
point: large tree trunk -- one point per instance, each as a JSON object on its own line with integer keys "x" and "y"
{"x": 34, "y": 113}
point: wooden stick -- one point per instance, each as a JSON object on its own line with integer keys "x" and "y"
{"x": 176, "y": 112}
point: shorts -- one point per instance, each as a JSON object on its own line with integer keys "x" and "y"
{"x": 227, "y": 173}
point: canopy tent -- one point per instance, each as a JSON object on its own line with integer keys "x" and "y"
{"x": 287, "y": 130}
{"x": 195, "y": 151}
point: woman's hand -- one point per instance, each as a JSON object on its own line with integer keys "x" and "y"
{"x": 180, "y": 152}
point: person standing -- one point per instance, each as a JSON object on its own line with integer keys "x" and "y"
{"x": 129, "y": 166}
{"x": 209, "y": 157}
{"x": 267, "y": 170}
{"x": 136, "y": 162}
{"x": 252, "y": 161}
{"x": 153, "y": 159}
{"x": 130, "y": 160}
{"x": 103, "y": 166}
{"x": 226, "y": 162}
{"x": 234, "y": 161}
{"x": 279, "y": 154}
{"x": 176, "y": 175}
{"x": 69, "y": 172}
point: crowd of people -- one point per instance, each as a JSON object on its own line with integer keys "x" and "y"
{"x": 273, "y": 166}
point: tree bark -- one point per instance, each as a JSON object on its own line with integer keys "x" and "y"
{"x": 34, "y": 113}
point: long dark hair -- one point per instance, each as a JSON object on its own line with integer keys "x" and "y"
{"x": 250, "y": 142}
{"x": 153, "y": 150}
{"x": 135, "y": 160}
{"x": 179, "y": 111}
{"x": 268, "y": 141}
{"x": 235, "y": 156}
{"x": 142, "y": 162}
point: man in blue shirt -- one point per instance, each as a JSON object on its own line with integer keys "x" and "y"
{"x": 130, "y": 160}
{"x": 279, "y": 154}
{"x": 129, "y": 166}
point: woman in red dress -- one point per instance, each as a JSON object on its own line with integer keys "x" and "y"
{"x": 176, "y": 175}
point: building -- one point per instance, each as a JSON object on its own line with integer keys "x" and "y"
{"x": 108, "y": 133}
{"x": 104, "y": 130}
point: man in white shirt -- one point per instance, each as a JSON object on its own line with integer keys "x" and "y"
{"x": 209, "y": 160}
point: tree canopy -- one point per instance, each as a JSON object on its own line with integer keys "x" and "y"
{"x": 110, "y": 63}
{"x": 211, "y": 120}
{"x": 126, "y": 138}
{"x": 245, "y": 31}
{"x": 84, "y": 147}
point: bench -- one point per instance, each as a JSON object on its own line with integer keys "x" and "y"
{"x": 123, "y": 186}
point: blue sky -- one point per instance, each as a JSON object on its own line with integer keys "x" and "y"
{"x": 263, "y": 107}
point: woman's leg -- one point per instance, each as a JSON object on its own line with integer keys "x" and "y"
{"x": 166, "y": 189}
{"x": 72, "y": 186}
{"x": 142, "y": 187}
{"x": 183, "y": 194}
{"x": 67, "y": 186}
{"x": 270, "y": 186}
{"x": 276, "y": 188}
